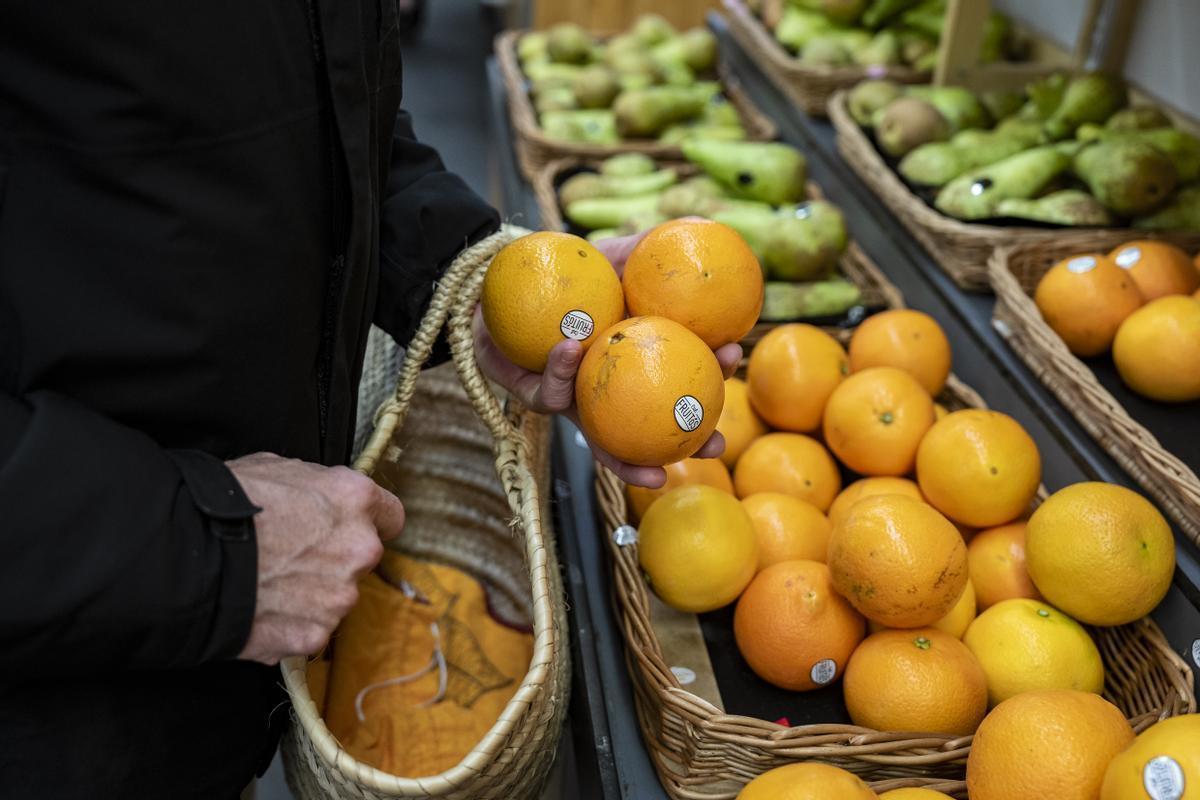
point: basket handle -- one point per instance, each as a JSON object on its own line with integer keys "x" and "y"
{"x": 453, "y": 304}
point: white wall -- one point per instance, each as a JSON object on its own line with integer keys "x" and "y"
{"x": 1164, "y": 52}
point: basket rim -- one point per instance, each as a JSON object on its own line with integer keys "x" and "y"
{"x": 1016, "y": 317}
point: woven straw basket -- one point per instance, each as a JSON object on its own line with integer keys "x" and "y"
{"x": 473, "y": 479}
{"x": 961, "y": 248}
{"x": 534, "y": 149}
{"x": 702, "y": 753}
{"x": 808, "y": 86}
{"x": 877, "y": 291}
{"x": 1015, "y": 272}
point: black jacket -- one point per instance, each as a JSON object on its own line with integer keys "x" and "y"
{"x": 204, "y": 205}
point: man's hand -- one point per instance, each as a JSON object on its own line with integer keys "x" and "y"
{"x": 553, "y": 391}
{"x": 320, "y": 530}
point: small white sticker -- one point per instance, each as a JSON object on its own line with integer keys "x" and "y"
{"x": 624, "y": 535}
{"x": 1128, "y": 257}
{"x": 1081, "y": 265}
{"x": 683, "y": 675}
{"x": 1196, "y": 652}
{"x": 1163, "y": 778}
{"x": 688, "y": 413}
{"x": 577, "y": 325}
{"x": 823, "y": 671}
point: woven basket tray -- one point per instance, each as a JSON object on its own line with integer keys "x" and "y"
{"x": 702, "y": 753}
{"x": 808, "y": 86}
{"x": 877, "y": 291}
{"x": 961, "y": 248}
{"x": 1015, "y": 272}
{"x": 534, "y": 149}
{"x": 473, "y": 480}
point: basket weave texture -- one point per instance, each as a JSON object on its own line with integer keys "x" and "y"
{"x": 535, "y": 149}
{"x": 473, "y": 478}
{"x": 1014, "y": 273}
{"x": 962, "y": 249}
{"x": 702, "y": 753}
{"x": 877, "y": 291}
{"x": 808, "y": 86}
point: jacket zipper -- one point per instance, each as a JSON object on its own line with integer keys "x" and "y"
{"x": 337, "y": 267}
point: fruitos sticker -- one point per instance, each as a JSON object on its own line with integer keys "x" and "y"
{"x": 577, "y": 325}
{"x": 823, "y": 671}
{"x": 1081, "y": 264}
{"x": 1128, "y": 257}
{"x": 688, "y": 413}
{"x": 1163, "y": 778}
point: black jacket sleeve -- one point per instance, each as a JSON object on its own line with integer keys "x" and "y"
{"x": 117, "y": 553}
{"x": 429, "y": 216}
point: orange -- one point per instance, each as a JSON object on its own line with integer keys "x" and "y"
{"x": 1157, "y": 350}
{"x": 979, "y": 467}
{"x": 546, "y": 287}
{"x": 791, "y": 464}
{"x": 956, "y": 621}
{"x": 898, "y": 561}
{"x": 690, "y": 471}
{"x": 792, "y": 372}
{"x": 920, "y": 680}
{"x": 1025, "y": 645}
{"x": 1084, "y": 299}
{"x": 869, "y": 487}
{"x": 788, "y": 528}
{"x": 875, "y": 419}
{"x": 914, "y": 793}
{"x": 996, "y": 561}
{"x": 906, "y": 339}
{"x": 649, "y": 392}
{"x": 1050, "y": 744}
{"x": 697, "y": 546}
{"x": 738, "y": 423}
{"x": 808, "y": 780}
{"x": 1100, "y": 552}
{"x": 1165, "y": 757}
{"x": 701, "y": 274}
{"x": 1158, "y": 268}
{"x": 794, "y": 630}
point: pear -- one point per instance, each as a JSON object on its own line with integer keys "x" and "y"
{"x": 958, "y": 105}
{"x": 545, "y": 71}
{"x": 1045, "y": 95}
{"x": 827, "y": 51}
{"x": 1128, "y": 176}
{"x": 883, "y": 50}
{"x": 586, "y": 126}
{"x": 700, "y": 49}
{"x": 622, "y": 45}
{"x": 868, "y": 97}
{"x": 533, "y": 46}
{"x": 639, "y": 64}
{"x": 996, "y": 32}
{"x": 797, "y": 27}
{"x": 640, "y": 221}
{"x": 646, "y": 112}
{"x": 675, "y": 74}
{"x": 915, "y": 46}
{"x": 794, "y": 251}
{"x": 1181, "y": 212}
{"x": 590, "y": 184}
{"x": 1182, "y": 148}
{"x": 845, "y": 12}
{"x": 783, "y": 302}
{"x": 555, "y": 99}
{"x": 720, "y": 111}
{"x": 1002, "y": 103}
{"x": 880, "y": 12}
{"x": 680, "y": 132}
{"x": 652, "y": 29}
{"x": 910, "y": 122}
{"x": 1067, "y": 207}
{"x": 1026, "y": 130}
{"x": 567, "y": 43}
{"x": 851, "y": 38}
{"x": 602, "y": 233}
{"x": 977, "y": 193}
{"x": 610, "y": 212}
{"x": 752, "y": 222}
{"x": 826, "y": 219}
{"x": 1091, "y": 97}
{"x": 934, "y": 164}
{"x": 690, "y": 198}
{"x": 595, "y": 87}
{"x": 769, "y": 172}
{"x": 928, "y": 17}
{"x": 1138, "y": 118}
{"x": 627, "y": 165}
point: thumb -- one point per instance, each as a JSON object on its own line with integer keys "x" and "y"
{"x": 557, "y": 389}
{"x": 388, "y": 514}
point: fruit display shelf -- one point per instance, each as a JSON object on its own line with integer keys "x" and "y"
{"x": 877, "y": 292}
{"x": 1154, "y": 442}
{"x": 534, "y": 149}
{"x": 809, "y": 86}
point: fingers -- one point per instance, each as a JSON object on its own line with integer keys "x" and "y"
{"x": 556, "y": 390}
{"x": 649, "y": 477}
{"x": 388, "y": 513}
{"x": 713, "y": 448}
{"x": 730, "y": 357}
{"x": 618, "y": 248}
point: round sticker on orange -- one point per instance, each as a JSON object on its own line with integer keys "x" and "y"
{"x": 577, "y": 325}
{"x": 688, "y": 413}
{"x": 1128, "y": 257}
{"x": 823, "y": 671}
{"x": 1082, "y": 264}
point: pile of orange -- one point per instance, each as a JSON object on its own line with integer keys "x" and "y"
{"x": 1142, "y": 303}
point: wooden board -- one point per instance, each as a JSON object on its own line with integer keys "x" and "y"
{"x": 615, "y": 15}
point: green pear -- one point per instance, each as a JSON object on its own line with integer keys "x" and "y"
{"x": 646, "y": 112}
{"x": 915, "y": 46}
{"x": 595, "y": 87}
{"x": 700, "y": 49}
{"x": 880, "y": 12}
{"x": 908, "y": 123}
{"x": 610, "y": 212}
{"x": 996, "y": 32}
{"x": 977, "y": 193}
{"x": 602, "y": 233}
{"x": 958, "y": 105}
{"x": 1091, "y": 97}
{"x": 591, "y": 184}
{"x": 869, "y": 96}
{"x": 690, "y": 197}
{"x": 543, "y": 71}
{"x": 720, "y": 111}
{"x": 1002, "y": 103}
{"x": 652, "y": 29}
{"x": 640, "y": 221}
{"x": 928, "y": 17}
{"x": 798, "y": 27}
{"x": 769, "y": 172}
{"x": 783, "y": 302}
{"x": 882, "y": 50}
{"x": 567, "y": 43}
{"x": 826, "y": 50}
{"x": 586, "y": 126}
{"x": 1138, "y": 118}
{"x": 1067, "y": 207}
{"x": 628, "y": 165}
{"x": 680, "y": 132}
{"x": 557, "y": 99}
{"x": 1025, "y": 130}
{"x": 1182, "y": 148}
{"x": 1181, "y": 212}
{"x": 794, "y": 251}
{"x": 533, "y": 46}
{"x": 754, "y": 224}
{"x": 1045, "y": 95}
{"x": 1128, "y": 176}
{"x": 826, "y": 220}
{"x": 934, "y": 164}
{"x": 675, "y": 74}
{"x": 845, "y": 12}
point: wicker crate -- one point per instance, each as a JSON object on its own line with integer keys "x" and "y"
{"x": 877, "y": 291}
{"x": 702, "y": 753}
{"x": 534, "y": 149}
{"x": 1015, "y": 272}
{"x": 808, "y": 86}
{"x": 962, "y": 249}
